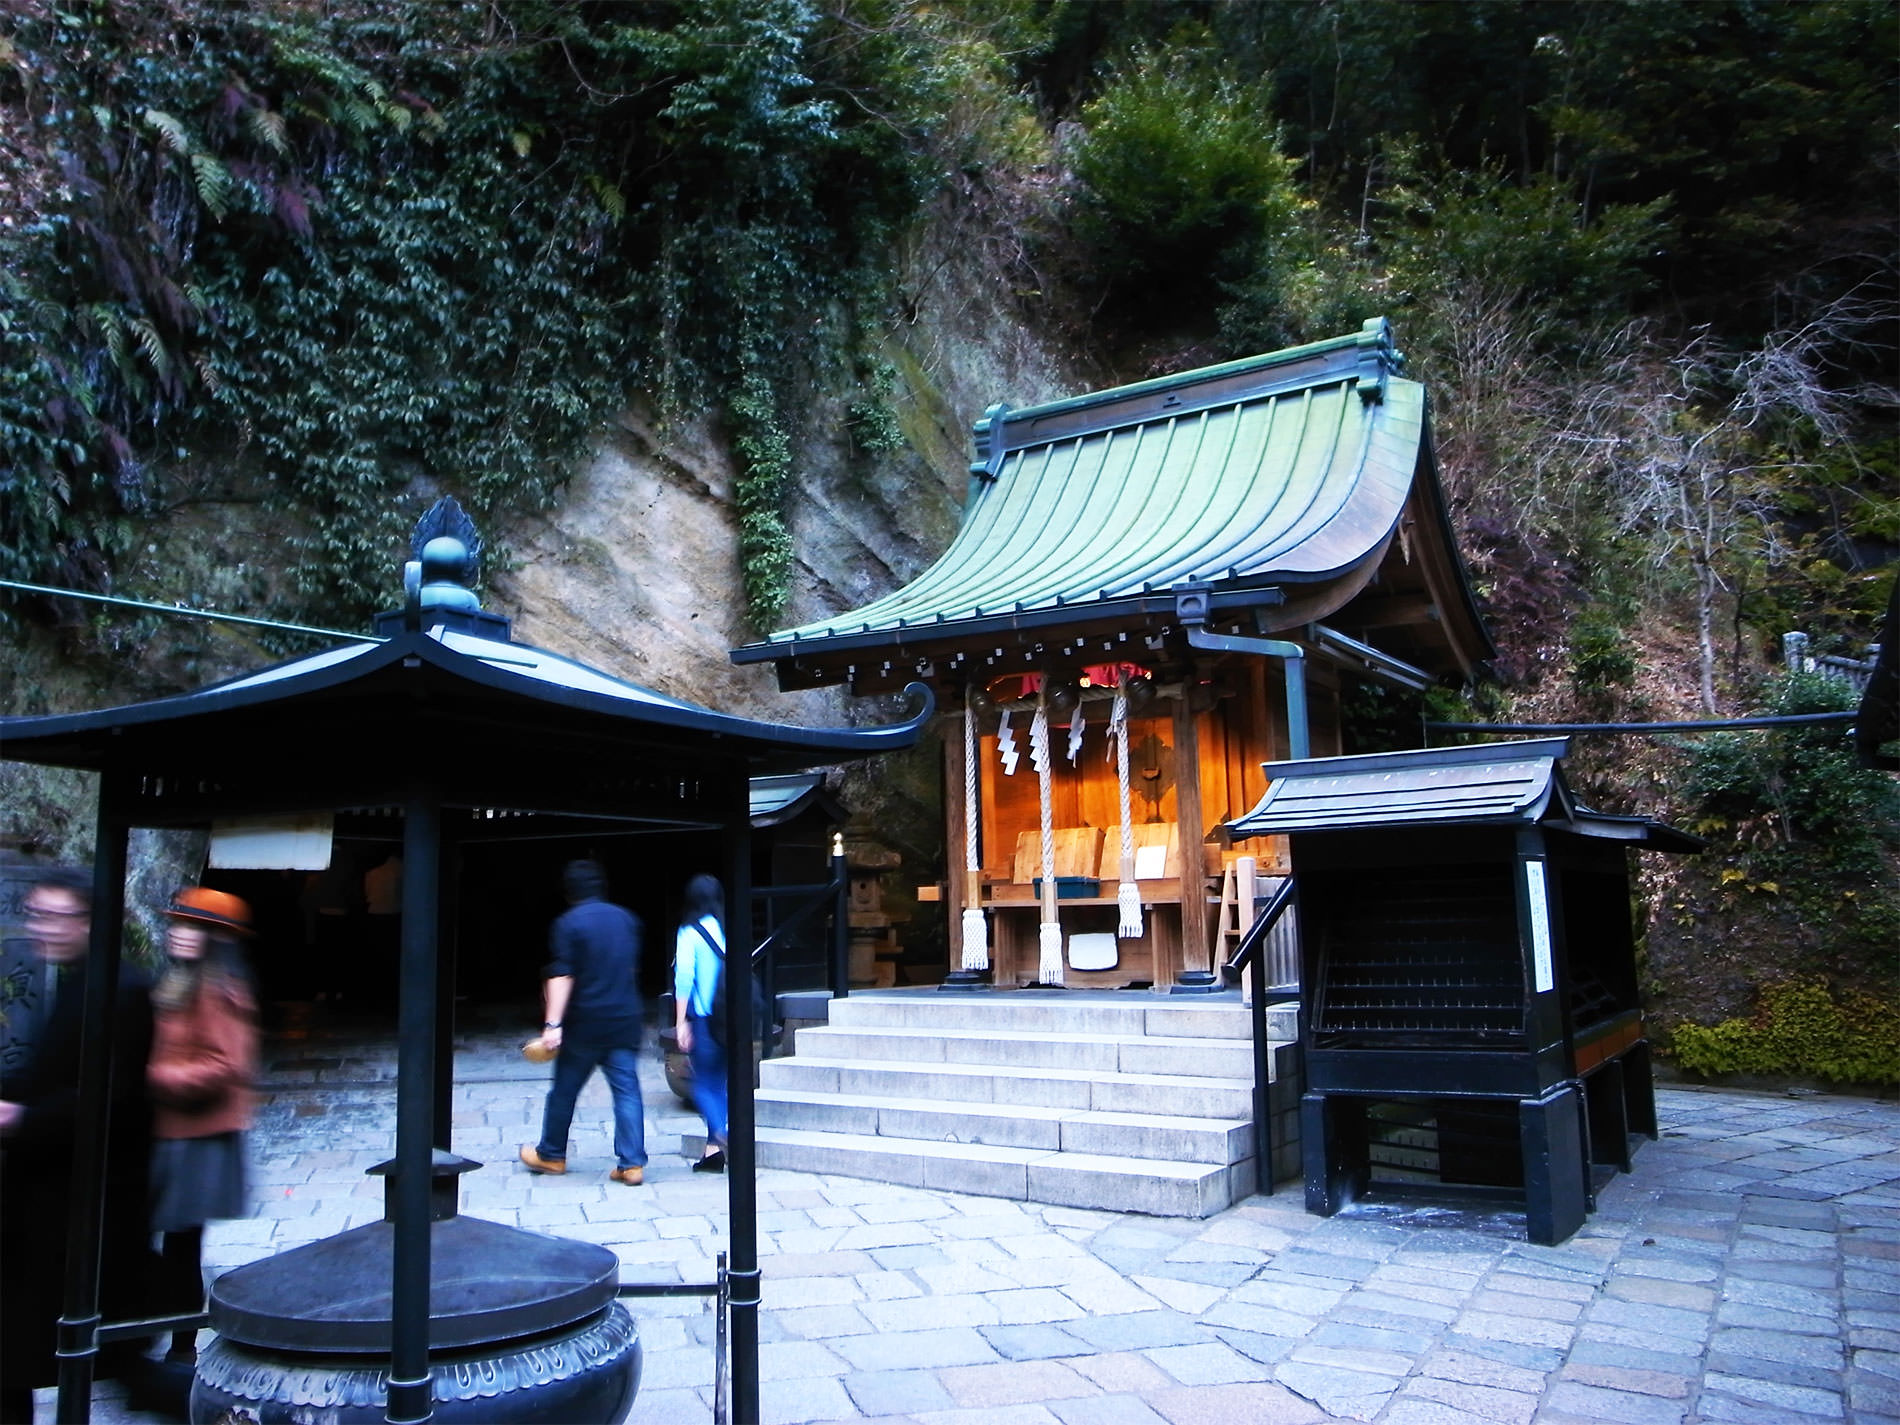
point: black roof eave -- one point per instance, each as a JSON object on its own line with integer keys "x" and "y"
{"x": 1637, "y": 830}
{"x": 84, "y": 740}
{"x": 1161, "y": 603}
{"x": 1633, "y": 830}
{"x": 1240, "y": 830}
{"x": 1543, "y": 747}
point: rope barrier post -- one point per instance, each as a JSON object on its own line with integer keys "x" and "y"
{"x": 719, "y": 1344}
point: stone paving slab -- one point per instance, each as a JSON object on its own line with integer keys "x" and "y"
{"x": 1747, "y": 1270}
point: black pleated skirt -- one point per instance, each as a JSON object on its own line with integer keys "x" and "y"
{"x": 196, "y": 1180}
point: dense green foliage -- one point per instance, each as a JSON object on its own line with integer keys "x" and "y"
{"x": 1792, "y": 814}
{"x": 1800, "y": 785}
{"x": 338, "y": 255}
{"x": 1181, "y": 175}
{"x": 329, "y": 261}
{"x": 1751, "y": 119}
{"x": 1802, "y": 1028}
{"x": 325, "y": 257}
{"x": 279, "y": 257}
{"x": 1641, "y": 252}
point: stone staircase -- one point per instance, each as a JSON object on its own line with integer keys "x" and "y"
{"x": 1121, "y": 1100}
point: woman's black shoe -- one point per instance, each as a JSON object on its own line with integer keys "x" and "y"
{"x": 713, "y": 1162}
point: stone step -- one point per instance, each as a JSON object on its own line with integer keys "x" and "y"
{"x": 1104, "y": 1182}
{"x": 1098, "y": 1053}
{"x": 1056, "y": 1011}
{"x": 1155, "y": 1137}
{"x": 1035, "y": 1087}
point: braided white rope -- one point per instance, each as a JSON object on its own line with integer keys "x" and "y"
{"x": 976, "y": 945}
{"x": 1049, "y": 953}
{"x": 1049, "y": 934}
{"x": 1127, "y": 893}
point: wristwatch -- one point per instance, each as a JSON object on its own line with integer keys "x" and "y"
{"x": 552, "y": 1024}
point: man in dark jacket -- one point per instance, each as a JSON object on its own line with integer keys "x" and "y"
{"x": 38, "y": 1123}
{"x": 594, "y": 1017}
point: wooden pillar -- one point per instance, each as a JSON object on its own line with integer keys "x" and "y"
{"x": 79, "y": 1322}
{"x": 411, "y": 1397}
{"x": 742, "y": 1188}
{"x": 1187, "y": 792}
{"x": 448, "y": 949}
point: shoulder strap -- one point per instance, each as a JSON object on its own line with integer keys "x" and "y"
{"x": 706, "y": 935}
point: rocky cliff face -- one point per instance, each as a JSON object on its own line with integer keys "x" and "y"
{"x": 636, "y": 570}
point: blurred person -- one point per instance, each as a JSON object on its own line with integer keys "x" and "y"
{"x": 593, "y": 1020}
{"x": 204, "y": 1059}
{"x": 699, "y": 960}
{"x": 38, "y": 1125}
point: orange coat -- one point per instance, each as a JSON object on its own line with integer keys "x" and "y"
{"x": 204, "y": 1058}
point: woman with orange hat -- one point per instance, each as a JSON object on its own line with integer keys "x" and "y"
{"x": 204, "y": 1057}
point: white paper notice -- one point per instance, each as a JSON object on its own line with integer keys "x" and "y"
{"x": 300, "y": 842}
{"x": 1545, "y": 977}
{"x": 1151, "y": 862}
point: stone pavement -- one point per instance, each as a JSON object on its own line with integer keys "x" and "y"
{"x": 1748, "y": 1270}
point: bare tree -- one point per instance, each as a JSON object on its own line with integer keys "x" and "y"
{"x": 1695, "y": 446}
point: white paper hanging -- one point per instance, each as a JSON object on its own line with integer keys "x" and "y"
{"x": 300, "y": 841}
{"x": 1006, "y": 745}
{"x": 1543, "y": 974}
{"x": 1075, "y": 735}
{"x": 1039, "y": 741}
{"x": 1093, "y": 950}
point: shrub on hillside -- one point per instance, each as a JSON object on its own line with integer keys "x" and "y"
{"x": 1800, "y": 1027}
{"x": 1181, "y": 172}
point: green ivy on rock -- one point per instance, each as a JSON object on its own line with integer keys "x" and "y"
{"x": 345, "y": 260}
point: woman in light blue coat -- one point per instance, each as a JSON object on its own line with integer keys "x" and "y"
{"x": 699, "y": 959}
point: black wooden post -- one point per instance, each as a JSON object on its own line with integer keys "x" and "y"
{"x": 448, "y": 952}
{"x": 78, "y": 1344}
{"x": 411, "y": 1399}
{"x": 1556, "y": 1164}
{"x": 742, "y": 1188}
{"x": 1262, "y": 1069}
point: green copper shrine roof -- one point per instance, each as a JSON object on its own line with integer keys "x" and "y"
{"x": 1289, "y": 469}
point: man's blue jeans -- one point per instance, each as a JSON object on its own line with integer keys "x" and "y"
{"x": 621, "y": 1067}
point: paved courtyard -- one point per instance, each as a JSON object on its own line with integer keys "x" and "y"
{"x": 1748, "y": 1270}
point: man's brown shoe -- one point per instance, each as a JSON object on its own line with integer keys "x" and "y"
{"x": 538, "y": 1164}
{"x": 632, "y": 1177}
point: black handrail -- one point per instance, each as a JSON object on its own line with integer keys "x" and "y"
{"x": 822, "y": 897}
{"x": 833, "y": 895}
{"x": 720, "y": 1288}
{"x": 1262, "y": 927}
{"x": 1247, "y": 954}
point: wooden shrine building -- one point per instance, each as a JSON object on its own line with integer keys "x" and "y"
{"x": 1156, "y": 589}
